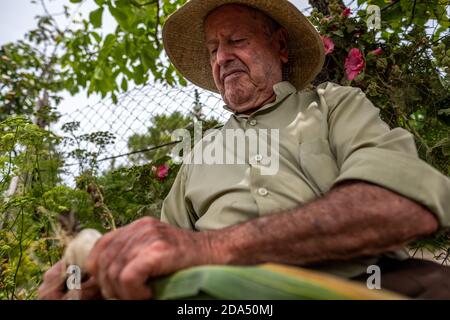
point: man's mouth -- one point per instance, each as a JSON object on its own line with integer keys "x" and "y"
{"x": 231, "y": 74}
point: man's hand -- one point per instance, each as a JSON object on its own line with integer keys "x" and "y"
{"x": 123, "y": 260}
{"x": 53, "y": 287}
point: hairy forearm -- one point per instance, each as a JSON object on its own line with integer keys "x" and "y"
{"x": 354, "y": 219}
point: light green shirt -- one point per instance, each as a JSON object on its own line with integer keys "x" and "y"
{"x": 326, "y": 136}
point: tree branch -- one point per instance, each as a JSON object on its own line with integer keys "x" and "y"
{"x": 413, "y": 13}
{"x": 158, "y": 44}
{"x": 99, "y": 203}
{"x": 49, "y": 15}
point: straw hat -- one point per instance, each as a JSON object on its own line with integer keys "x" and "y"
{"x": 184, "y": 40}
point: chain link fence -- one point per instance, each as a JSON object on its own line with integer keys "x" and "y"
{"x": 131, "y": 115}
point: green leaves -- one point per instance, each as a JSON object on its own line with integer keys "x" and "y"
{"x": 122, "y": 16}
{"x": 124, "y": 84}
{"x": 25, "y": 72}
{"x": 95, "y": 18}
{"x": 98, "y": 74}
{"x": 27, "y": 156}
{"x": 131, "y": 53}
{"x": 263, "y": 282}
{"x": 104, "y": 64}
{"x": 85, "y": 148}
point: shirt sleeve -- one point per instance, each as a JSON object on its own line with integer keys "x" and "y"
{"x": 367, "y": 149}
{"x": 176, "y": 210}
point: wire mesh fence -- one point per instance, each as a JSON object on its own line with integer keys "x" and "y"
{"x": 130, "y": 116}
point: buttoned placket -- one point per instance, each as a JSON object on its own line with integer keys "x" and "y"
{"x": 258, "y": 183}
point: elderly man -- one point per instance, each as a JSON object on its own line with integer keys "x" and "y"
{"x": 348, "y": 193}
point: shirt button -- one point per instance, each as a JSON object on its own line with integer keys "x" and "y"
{"x": 258, "y": 158}
{"x": 263, "y": 192}
{"x": 253, "y": 122}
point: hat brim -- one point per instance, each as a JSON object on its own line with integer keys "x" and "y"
{"x": 184, "y": 40}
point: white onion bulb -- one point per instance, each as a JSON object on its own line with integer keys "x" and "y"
{"x": 79, "y": 248}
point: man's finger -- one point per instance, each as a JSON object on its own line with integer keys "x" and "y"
{"x": 53, "y": 286}
{"x": 56, "y": 273}
{"x": 106, "y": 285}
{"x": 90, "y": 290}
{"x": 50, "y": 291}
{"x": 126, "y": 254}
{"x": 134, "y": 276}
{"x": 104, "y": 241}
{"x": 113, "y": 259}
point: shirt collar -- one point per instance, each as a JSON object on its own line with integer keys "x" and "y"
{"x": 281, "y": 89}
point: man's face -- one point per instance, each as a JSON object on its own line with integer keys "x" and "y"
{"x": 246, "y": 59}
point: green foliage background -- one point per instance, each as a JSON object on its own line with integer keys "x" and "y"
{"x": 409, "y": 82}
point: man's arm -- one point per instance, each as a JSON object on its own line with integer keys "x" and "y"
{"x": 355, "y": 219}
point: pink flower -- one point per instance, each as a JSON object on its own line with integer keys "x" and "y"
{"x": 328, "y": 44}
{"x": 377, "y": 52}
{"x": 354, "y": 63}
{"x": 162, "y": 171}
{"x": 346, "y": 12}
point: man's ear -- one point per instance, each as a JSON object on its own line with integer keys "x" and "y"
{"x": 282, "y": 37}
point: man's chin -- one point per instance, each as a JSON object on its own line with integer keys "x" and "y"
{"x": 239, "y": 96}
{"x": 241, "y": 107}
{"x": 236, "y": 101}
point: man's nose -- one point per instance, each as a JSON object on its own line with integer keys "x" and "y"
{"x": 224, "y": 54}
